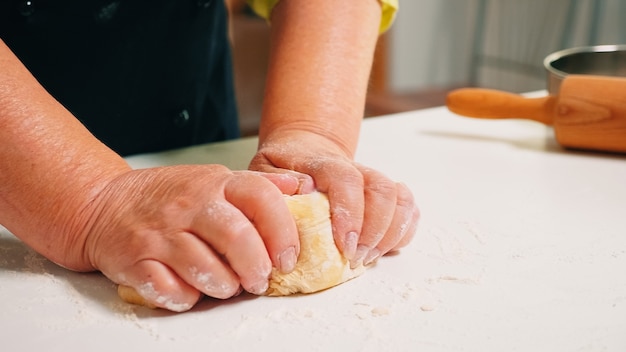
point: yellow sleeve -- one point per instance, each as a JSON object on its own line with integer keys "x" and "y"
{"x": 390, "y": 8}
{"x": 264, "y": 8}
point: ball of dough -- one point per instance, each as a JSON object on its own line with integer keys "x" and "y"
{"x": 320, "y": 265}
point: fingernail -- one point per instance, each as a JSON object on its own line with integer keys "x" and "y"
{"x": 259, "y": 288}
{"x": 371, "y": 256}
{"x": 349, "y": 245}
{"x": 305, "y": 185}
{"x": 361, "y": 252}
{"x": 287, "y": 260}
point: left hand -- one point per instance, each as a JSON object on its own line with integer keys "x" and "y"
{"x": 371, "y": 214}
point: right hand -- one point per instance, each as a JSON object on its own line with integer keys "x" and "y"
{"x": 174, "y": 233}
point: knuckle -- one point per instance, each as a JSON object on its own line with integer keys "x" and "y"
{"x": 379, "y": 185}
{"x": 405, "y": 197}
{"x": 384, "y": 189}
{"x": 352, "y": 178}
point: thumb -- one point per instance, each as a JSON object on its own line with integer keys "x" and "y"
{"x": 290, "y": 182}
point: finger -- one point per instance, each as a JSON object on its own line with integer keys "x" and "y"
{"x": 381, "y": 205}
{"x": 228, "y": 231}
{"x": 198, "y": 265}
{"x": 261, "y": 163}
{"x": 290, "y": 182}
{"x": 401, "y": 229}
{"x": 160, "y": 286}
{"x": 414, "y": 221}
{"x": 271, "y": 217}
{"x": 343, "y": 184}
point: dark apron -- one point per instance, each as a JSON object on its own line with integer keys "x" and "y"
{"x": 142, "y": 75}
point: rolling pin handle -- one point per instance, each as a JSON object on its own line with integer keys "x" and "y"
{"x": 495, "y": 104}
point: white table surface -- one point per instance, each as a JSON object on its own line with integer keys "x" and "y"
{"x": 521, "y": 247}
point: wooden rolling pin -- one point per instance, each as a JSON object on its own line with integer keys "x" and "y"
{"x": 588, "y": 113}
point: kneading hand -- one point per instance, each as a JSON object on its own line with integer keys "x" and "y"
{"x": 371, "y": 214}
{"x": 173, "y": 233}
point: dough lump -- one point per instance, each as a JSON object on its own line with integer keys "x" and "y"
{"x": 129, "y": 295}
{"x": 320, "y": 265}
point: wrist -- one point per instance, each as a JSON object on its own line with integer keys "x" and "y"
{"x": 310, "y": 138}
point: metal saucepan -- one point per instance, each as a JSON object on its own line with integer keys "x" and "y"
{"x": 586, "y": 105}
{"x": 601, "y": 60}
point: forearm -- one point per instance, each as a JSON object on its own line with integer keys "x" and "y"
{"x": 52, "y": 167}
{"x": 321, "y": 57}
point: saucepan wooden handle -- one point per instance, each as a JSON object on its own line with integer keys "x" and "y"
{"x": 495, "y": 104}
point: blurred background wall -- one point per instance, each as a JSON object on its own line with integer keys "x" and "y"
{"x": 494, "y": 43}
